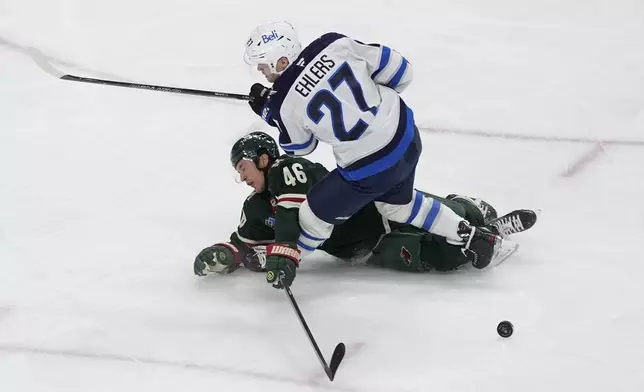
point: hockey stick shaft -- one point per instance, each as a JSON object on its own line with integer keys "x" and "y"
{"x": 167, "y": 89}
{"x": 44, "y": 63}
{"x": 339, "y": 351}
{"x": 296, "y": 308}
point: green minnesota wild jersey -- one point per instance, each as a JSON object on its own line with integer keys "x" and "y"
{"x": 289, "y": 180}
{"x": 257, "y": 221}
{"x": 272, "y": 216}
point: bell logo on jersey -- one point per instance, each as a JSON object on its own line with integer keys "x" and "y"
{"x": 269, "y": 37}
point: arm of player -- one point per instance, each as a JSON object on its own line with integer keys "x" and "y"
{"x": 387, "y": 66}
{"x": 226, "y": 257}
{"x": 290, "y": 181}
{"x": 297, "y": 140}
{"x": 256, "y": 222}
{"x": 294, "y": 138}
{"x": 289, "y": 184}
{"x": 247, "y": 245}
{"x": 222, "y": 258}
{"x": 255, "y": 231}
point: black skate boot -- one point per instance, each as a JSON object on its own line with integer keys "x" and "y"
{"x": 513, "y": 222}
{"x": 480, "y": 244}
{"x": 489, "y": 213}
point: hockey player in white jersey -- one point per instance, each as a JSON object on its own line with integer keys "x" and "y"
{"x": 345, "y": 93}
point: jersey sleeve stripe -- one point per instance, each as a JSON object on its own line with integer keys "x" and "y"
{"x": 303, "y": 148}
{"x": 393, "y": 83}
{"x": 290, "y": 200}
{"x": 384, "y": 60}
{"x": 289, "y": 204}
{"x": 285, "y": 140}
{"x": 291, "y": 196}
{"x": 303, "y": 151}
{"x": 293, "y": 146}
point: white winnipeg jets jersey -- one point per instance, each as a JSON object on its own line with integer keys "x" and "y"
{"x": 344, "y": 93}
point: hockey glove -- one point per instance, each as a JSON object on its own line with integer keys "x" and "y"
{"x": 281, "y": 260}
{"x": 258, "y": 97}
{"x": 222, "y": 258}
{"x": 480, "y": 244}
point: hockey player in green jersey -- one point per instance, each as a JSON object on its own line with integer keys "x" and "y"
{"x": 269, "y": 239}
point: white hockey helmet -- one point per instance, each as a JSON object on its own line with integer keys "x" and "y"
{"x": 269, "y": 42}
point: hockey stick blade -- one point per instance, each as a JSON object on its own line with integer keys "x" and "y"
{"x": 43, "y": 62}
{"x": 336, "y": 358}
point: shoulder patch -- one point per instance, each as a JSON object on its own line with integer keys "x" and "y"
{"x": 270, "y": 222}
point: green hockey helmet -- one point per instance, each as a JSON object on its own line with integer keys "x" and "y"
{"x": 252, "y": 146}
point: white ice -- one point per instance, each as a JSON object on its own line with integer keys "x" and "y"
{"x": 107, "y": 194}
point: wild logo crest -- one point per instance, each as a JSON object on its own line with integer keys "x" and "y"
{"x": 405, "y": 255}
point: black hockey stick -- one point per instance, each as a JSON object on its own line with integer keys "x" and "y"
{"x": 167, "y": 89}
{"x": 338, "y": 352}
{"x": 43, "y": 62}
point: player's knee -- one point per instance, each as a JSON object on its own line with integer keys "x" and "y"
{"x": 314, "y": 231}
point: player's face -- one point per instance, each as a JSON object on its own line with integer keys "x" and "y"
{"x": 251, "y": 175}
{"x": 265, "y": 69}
{"x": 280, "y": 66}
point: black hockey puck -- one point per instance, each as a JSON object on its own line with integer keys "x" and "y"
{"x": 505, "y": 329}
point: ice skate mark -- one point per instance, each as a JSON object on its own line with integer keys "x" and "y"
{"x": 538, "y": 138}
{"x": 4, "y": 311}
{"x": 9, "y": 44}
{"x": 72, "y": 354}
{"x": 597, "y": 151}
{"x": 42, "y": 60}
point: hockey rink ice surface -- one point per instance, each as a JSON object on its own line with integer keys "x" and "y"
{"x": 107, "y": 194}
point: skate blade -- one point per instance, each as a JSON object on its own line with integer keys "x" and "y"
{"x": 504, "y": 252}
